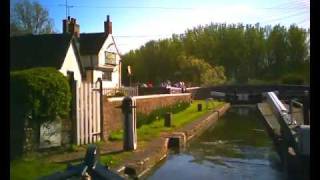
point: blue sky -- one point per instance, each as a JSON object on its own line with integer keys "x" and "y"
{"x": 137, "y": 21}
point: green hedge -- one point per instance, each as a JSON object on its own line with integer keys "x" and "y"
{"x": 43, "y": 92}
{"x": 36, "y": 95}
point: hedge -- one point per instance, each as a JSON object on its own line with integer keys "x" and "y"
{"x": 36, "y": 96}
{"x": 44, "y": 92}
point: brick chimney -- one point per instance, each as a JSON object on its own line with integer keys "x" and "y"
{"x": 71, "y": 26}
{"x": 108, "y": 26}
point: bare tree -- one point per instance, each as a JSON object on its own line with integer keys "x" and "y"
{"x": 30, "y": 18}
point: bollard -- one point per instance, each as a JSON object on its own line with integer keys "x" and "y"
{"x": 167, "y": 119}
{"x": 130, "y": 131}
{"x": 199, "y": 107}
{"x": 306, "y": 108}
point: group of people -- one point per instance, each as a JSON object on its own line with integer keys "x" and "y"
{"x": 149, "y": 84}
{"x": 167, "y": 84}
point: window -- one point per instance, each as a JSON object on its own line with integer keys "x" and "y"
{"x": 107, "y": 76}
{"x": 110, "y": 57}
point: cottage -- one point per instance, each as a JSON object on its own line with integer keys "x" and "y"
{"x": 99, "y": 54}
{"x": 48, "y": 50}
{"x": 89, "y": 56}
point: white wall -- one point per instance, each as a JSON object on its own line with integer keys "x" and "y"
{"x": 71, "y": 64}
{"x": 101, "y": 55}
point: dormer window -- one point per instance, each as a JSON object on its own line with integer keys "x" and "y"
{"x": 110, "y": 58}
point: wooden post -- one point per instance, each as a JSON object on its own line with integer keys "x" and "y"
{"x": 167, "y": 119}
{"x": 199, "y": 107}
{"x": 102, "y": 128}
{"x": 306, "y": 108}
{"x": 130, "y": 133}
{"x": 73, "y": 106}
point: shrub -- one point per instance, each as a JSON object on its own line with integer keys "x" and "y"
{"x": 116, "y": 135}
{"x": 43, "y": 92}
{"x": 292, "y": 79}
{"x": 119, "y": 94}
{"x": 38, "y": 95}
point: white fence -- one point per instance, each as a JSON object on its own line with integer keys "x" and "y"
{"x": 88, "y": 116}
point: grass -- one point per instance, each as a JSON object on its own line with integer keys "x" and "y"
{"x": 149, "y": 131}
{"x": 35, "y": 166}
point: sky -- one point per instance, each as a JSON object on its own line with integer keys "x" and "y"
{"x": 136, "y": 22}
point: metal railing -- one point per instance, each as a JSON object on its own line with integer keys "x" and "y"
{"x": 122, "y": 91}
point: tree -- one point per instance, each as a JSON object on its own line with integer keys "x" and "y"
{"x": 297, "y": 47}
{"x": 277, "y": 51}
{"x": 245, "y": 53}
{"x": 30, "y": 18}
{"x": 200, "y": 73}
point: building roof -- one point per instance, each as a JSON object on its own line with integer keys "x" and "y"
{"x": 91, "y": 43}
{"x": 48, "y": 50}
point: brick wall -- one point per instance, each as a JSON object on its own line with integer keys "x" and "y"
{"x": 113, "y": 118}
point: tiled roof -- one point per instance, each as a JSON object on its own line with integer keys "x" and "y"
{"x": 91, "y": 43}
{"x": 48, "y": 50}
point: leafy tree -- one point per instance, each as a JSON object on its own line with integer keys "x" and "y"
{"x": 30, "y": 18}
{"x": 297, "y": 47}
{"x": 277, "y": 50}
{"x": 244, "y": 52}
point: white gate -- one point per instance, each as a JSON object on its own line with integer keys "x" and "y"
{"x": 88, "y": 117}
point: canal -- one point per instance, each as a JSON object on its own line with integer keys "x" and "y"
{"x": 236, "y": 147}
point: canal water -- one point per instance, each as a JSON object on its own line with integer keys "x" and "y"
{"x": 236, "y": 147}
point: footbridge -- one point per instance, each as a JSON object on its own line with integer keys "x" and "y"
{"x": 248, "y": 93}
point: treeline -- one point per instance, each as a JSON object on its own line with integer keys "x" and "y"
{"x": 219, "y": 53}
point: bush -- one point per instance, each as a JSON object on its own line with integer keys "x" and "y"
{"x": 116, "y": 135}
{"x": 292, "y": 79}
{"x": 43, "y": 92}
{"x": 119, "y": 94}
{"x": 36, "y": 96}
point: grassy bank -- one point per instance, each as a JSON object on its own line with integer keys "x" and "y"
{"x": 146, "y": 133}
{"x": 37, "y": 165}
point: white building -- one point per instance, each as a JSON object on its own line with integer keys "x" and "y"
{"x": 99, "y": 54}
{"x": 48, "y": 50}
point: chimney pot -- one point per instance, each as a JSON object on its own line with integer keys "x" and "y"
{"x": 70, "y": 26}
{"x": 108, "y": 26}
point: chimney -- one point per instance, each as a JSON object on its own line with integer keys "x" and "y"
{"x": 108, "y": 26}
{"x": 71, "y": 26}
{"x": 65, "y": 25}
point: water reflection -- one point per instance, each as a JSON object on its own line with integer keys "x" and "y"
{"x": 236, "y": 147}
